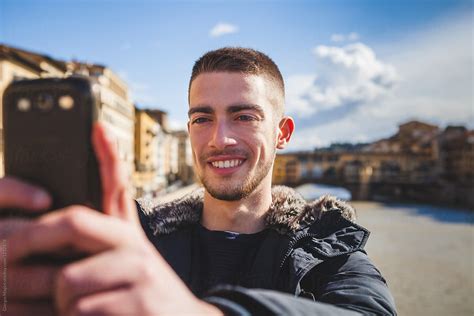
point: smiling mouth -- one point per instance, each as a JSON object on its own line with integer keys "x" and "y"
{"x": 223, "y": 164}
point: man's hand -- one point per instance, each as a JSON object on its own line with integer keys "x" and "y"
{"x": 28, "y": 288}
{"x": 123, "y": 273}
{"x": 115, "y": 196}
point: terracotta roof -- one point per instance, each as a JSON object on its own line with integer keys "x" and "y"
{"x": 29, "y": 59}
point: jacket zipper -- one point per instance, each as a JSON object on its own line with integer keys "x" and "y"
{"x": 292, "y": 244}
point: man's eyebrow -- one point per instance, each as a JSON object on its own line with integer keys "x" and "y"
{"x": 242, "y": 107}
{"x": 200, "y": 109}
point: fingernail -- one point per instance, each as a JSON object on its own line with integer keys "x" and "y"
{"x": 41, "y": 198}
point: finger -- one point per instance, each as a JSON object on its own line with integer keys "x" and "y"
{"x": 10, "y": 225}
{"x": 15, "y": 193}
{"x": 109, "y": 303}
{"x": 95, "y": 274}
{"x": 31, "y": 282}
{"x": 78, "y": 227}
{"x": 116, "y": 200}
{"x": 14, "y": 308}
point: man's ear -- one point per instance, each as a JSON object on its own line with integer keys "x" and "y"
{"x": 285, "y": 130}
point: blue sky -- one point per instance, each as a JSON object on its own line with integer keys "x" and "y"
{"x": 353, "y": 69}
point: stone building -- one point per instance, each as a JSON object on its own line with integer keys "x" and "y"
{"x": 17, "y": 64}
{"x": 185, "y": 157}
{"x": 175, "y": 149}
{"x": 287, "y": 168}
{"x": 116, "y": 110}
{"x": 418, "y": 162}
{"x": 148, "y": 178}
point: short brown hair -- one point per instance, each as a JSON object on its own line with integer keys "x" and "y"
{"x": 239, "y": 59}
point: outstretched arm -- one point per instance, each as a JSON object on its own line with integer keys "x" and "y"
{"x": 342, "y": 285}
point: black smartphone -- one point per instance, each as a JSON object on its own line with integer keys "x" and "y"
{"x": 47, "y": 127}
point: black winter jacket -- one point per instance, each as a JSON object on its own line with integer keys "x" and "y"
{"x": 311, "y": 261}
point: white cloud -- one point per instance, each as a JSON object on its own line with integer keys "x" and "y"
{"x": 346, "y": 75}
{"x": 351, "y": 37}
{"x": 338, "y": 38}
{"x": 433, "y": 74}
{"x": 222, "y": 29}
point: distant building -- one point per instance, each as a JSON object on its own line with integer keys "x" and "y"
{"x": 169, "y": 152}
{"x": 418, "y": 162}
{"x": 457, "y": 154}
{"x": 17, "y": 64}
{"x": 413, "y": 137}
{"x": 147, "y": 177}
{"x": 116, "y": 109}
{"x": 185, "y": 157}
{"x": 287, "y": 168}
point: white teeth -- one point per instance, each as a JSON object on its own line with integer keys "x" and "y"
{"x": 227, "y": 163}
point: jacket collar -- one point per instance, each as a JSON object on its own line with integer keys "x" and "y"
{"x": 288, "y": 213}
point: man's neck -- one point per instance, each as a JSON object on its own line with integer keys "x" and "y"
{"x": 243, "y": 216}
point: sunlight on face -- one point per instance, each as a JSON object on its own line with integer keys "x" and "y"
{"x": 233, "y": 133}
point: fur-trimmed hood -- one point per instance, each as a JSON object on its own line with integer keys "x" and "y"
{"x": 288, "y": 212}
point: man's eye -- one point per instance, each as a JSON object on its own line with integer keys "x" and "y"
{"x": 200, "y": 120}
{"x": 245, "y": 118}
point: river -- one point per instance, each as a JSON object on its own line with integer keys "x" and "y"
{"x": 425, "y": 253}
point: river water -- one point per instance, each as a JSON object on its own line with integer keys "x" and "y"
{"x": 425, "y": 252}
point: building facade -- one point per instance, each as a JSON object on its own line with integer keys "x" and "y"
{"x": 418, "y": 162}
{"x": 116, "y": 110}
{"x": 185, "y": 157}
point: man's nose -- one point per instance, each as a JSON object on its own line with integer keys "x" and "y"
{"x": 222, "y": 136}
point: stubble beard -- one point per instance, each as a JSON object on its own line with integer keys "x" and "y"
{"x": 227, "y": 191}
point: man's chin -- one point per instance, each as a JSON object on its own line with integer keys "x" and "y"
{"x": 226, "y": 195}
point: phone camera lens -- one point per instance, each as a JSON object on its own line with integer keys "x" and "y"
{"x": 45, "y": 102}
{"x": 23, "y": 104}
{"x": 66, "y": 102}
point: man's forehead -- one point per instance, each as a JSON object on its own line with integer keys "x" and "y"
{"x": 232, "y": 86}
{"x": 224, "y": 89}
{"x": 236, "y": 78}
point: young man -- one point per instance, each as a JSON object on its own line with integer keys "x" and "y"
{"x": 235, "y": 247}
{"x": 240, "y": 233}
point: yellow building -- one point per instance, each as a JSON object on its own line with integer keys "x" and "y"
{"x": 185, "y": 157}
{"x": 286, "y": 169}
{"x": 147, "y": 179}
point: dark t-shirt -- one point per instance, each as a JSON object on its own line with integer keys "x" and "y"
{"x": 222, "y": 257}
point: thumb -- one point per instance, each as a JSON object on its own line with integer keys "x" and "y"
{"x": 116, "y": 200}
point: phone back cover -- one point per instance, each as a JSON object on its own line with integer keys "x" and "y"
{"x": 52, "y": 148}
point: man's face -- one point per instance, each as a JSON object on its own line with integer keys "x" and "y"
{"x": 232, "y": 127}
